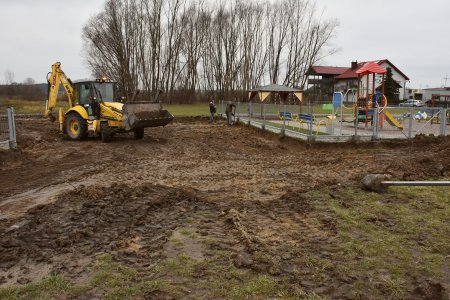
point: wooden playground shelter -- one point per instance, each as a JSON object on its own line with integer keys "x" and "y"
{"x": 284, "y": 92}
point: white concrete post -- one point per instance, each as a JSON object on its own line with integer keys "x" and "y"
{"x": 12, "y": 128}
{"x": 443, "y": 121}
{"x": 411, "y": 118}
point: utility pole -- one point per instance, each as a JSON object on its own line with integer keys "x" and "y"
{"x": 446, "y": 78}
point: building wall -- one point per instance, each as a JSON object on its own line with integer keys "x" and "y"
{"x": 399, "y": 78}
{"x": 427, "y": 93}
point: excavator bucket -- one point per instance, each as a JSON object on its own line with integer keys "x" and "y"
{"x": 144, "y": 114}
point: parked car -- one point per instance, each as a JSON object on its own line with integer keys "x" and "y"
{"x": 413, "y": 103}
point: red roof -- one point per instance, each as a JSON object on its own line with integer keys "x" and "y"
{"x": 371, "y": 68}
{"x": 324, "y": 70}
{"x": 351, "y": 73}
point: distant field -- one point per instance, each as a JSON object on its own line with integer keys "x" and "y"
{"x": 23, "y": 106}
{"x": 28, "y": 106}
{"x": 178, "y": 110}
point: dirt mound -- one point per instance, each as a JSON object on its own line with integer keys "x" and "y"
{"x": 131, "y": 222}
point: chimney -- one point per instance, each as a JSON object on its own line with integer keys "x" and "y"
{"x": 354, "y": 64}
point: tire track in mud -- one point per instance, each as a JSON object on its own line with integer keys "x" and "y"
{"x": 135, "y": 225}
{"x": 131, "y": 223}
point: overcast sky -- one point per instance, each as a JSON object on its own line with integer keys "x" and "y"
{"x": 412, "y": 34}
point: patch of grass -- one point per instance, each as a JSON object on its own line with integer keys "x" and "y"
{"x": 261, "y": 285}
{"x": 121, "y": 282}
{"x": 188, "y": 110}
{"x": 112, "y": 279}
{"x": 392, "y": 238}
{"x": 182, "y": 265}
{"x": 52, "y": 287}
{"x": 189, "y": 232}
{"x": 30, "y": 106}
{"x": 244, "y": 285}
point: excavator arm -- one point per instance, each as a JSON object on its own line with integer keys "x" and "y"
{"x": 54, "y": 79}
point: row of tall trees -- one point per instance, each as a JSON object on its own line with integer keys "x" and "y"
{"x": 24, "y": 90}
{"x": 187, "y": 47}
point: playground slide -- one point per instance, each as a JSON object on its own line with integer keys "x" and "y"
{"x": 391, "y": 120}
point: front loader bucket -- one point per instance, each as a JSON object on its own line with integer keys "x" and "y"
{"x": 144, "y": 114}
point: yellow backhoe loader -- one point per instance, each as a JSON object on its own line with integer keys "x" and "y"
{"x": 94, "y": 109}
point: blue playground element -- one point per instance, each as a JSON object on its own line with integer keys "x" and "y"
{"x": 337, "y": 99}
{"x": 377, "y": 98}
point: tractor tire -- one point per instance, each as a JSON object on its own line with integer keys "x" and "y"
{"x": 139, "y": 134}
{"x": 75, "y": 127}
{"x": 106, "y": 132}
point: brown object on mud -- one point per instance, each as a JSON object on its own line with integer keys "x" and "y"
{"x": 373, "y": 182}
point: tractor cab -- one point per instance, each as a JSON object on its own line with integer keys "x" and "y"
{"x": 90, "y": 93}
{"x": 99, "y": 90}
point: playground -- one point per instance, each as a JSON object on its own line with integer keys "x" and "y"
{"x": 361, "y": 114}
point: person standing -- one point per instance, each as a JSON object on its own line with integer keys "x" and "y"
{"x": 229, "y": 112}
{"x": 212, "y": 111}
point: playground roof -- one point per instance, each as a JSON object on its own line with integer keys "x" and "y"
{"x": 275, "y": 88}
{"x": 371, "y": 68}
{"x": 281, "y": 90}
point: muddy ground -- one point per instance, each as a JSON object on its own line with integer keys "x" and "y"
{"x": 211, "y": 194}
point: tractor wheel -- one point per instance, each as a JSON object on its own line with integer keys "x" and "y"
{"x": 139, "y": 133}
{"x": 106, "y": 132}
{"x": 75, "y": 127}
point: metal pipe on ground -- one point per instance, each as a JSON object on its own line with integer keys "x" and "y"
{"x": 415, "y": 183}
{"x": 380, "y": 182}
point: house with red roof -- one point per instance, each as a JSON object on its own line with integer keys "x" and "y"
{"x": 331, "y": 79}
{"x": 323, "y": 78}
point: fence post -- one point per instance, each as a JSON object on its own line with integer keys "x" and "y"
{"x": 356, "y": 123}
{"x": 375, "y": 123}
{"x": 238, "y": 109}
{"x": 411, "y": 118}
{"x": 283, "y": 129}
{"x": 12, "y": 128}
{"x": 264, "y": 117}
{"x": 250, "y": 113}
{"x": 443, "y": 121}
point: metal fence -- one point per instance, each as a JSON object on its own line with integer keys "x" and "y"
{"x": 323, "y": 122}
{"x": 7, "y": 129}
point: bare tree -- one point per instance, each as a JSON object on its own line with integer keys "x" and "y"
{"x": 150, "y": 44}
{"x": 277, "y": 32}
{"x": 9, "y": 77}
{"x": 111, "y": 39}
{"x": 308, "y": 38}
{"x": 253, "y": 53}
{"x": 195, "y": 23}
{"x": 29, "y": 81}
{"x": 173, "y": 43}
{"x": 183, "y": 46}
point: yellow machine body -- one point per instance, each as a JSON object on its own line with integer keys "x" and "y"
{"x": 93, "y": 111}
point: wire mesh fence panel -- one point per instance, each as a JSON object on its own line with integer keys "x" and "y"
{"x": 4, "y": 128}
{"x": 326, "y": 122}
